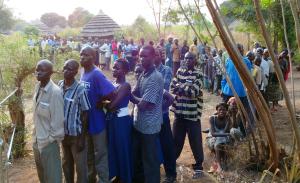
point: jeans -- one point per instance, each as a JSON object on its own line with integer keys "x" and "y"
{"x": 48, "y": 163}
{"x": 70, "y": 157}
{"x": 167, "y": 145}
{"x": 146, "y": 159}
{"x": 181, "y": 127}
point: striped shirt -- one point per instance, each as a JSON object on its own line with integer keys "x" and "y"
{"x": 188, "y": 103}
{"x": 150, "y": 88}
{"x": 75, "y": 102}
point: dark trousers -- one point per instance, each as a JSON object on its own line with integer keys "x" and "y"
{"x": 167, "y": 145}
{"x": 145, "y": 158}
{"x": 72, "y": 157}
{"x": 181, "y": 127}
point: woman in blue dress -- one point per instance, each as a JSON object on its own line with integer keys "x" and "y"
{"x": 120, "y": 127}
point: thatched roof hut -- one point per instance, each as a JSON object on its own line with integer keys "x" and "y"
{"x": 101, "y": 26}
{"x": 43, "y": 28}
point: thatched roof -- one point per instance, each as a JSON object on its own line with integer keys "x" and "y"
{"x": 43, "y": 28}
{"x": 100, "y": 26}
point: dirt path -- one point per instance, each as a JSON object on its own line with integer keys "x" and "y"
{"x": 24, "y": 171}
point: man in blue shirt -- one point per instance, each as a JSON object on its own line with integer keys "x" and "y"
{"x": 169, "y": 54}
{"x": 165, "y": 135}
{"x": 98, "y": 87}
{"x": 237, "y": 82}
{"x": 76, "y": 106}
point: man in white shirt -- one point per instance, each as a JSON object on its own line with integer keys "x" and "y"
{"x": 48, "y": 118}
{"x": 105, "y": 48}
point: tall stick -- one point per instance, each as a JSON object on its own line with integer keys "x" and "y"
{"x": 279, "y": 74}
{"x": 189, "y": 21}
{"x": 248, "y": 81}
{"x": 293, "y": 5}
{"x": 205, "y": 24}
{"x": 289, "y": 52}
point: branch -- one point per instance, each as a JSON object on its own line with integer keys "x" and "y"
{"x": 189, "y": 21}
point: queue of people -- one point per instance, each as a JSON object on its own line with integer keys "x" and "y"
{"x": 102, "y": 141}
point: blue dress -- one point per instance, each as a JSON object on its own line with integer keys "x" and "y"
{"x": 120, "y": 145}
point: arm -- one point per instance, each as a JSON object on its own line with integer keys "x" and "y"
{"x": 174, "y": 86}
{"x": 57, "y": 117}
{"x": 213, "y": 130}
{"x": 192, "y": 90}
{"x": 122, "y": 92}
{"x": 152, "y": 94}
{"x": 168, "y": 99}
{"x": 168, "y": 79}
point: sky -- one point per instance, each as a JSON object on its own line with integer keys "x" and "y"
{"x": 124, "y": 12}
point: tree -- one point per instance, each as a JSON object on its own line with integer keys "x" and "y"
{"x": 6, "y": 19}
{"x": 53, "y": 19}
{"x": 140, "y": 28}
{"x": 271, "y": 10}
{"x": 31, "y": 31}
{"x": 79, "y": 17}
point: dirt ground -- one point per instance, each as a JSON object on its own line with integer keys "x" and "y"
{"x": 23, "y": 170}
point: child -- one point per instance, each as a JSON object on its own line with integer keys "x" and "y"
{"x": 120, "y": 127}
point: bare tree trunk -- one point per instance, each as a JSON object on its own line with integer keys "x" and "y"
{"x": 248, "y": 81}
{"x": 293, "y": 5}
{"x": 17, "y": 114}
{"x": 279, "y": 74}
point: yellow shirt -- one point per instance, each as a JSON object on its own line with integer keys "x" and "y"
{"x": 176, "y": 53}
{"x": 48, "y": 115}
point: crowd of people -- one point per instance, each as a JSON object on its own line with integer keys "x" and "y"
{"x": 103, "y": 141}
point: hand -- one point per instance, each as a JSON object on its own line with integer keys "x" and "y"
{"x": 80, "y": 144}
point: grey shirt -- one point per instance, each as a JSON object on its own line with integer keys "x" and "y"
{"x": 150, "y": 88}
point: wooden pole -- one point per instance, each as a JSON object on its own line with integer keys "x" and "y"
{"x": 293, "y": 5}
{"x": 279, "y": 74}
{"x": 290, "y": 55}
{"x": 189, "y": 21}
{"x": 248, "y": 81}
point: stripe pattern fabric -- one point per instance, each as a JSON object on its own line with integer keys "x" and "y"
{"x": 75, "y": 102}
{"x": 186, "y": 86}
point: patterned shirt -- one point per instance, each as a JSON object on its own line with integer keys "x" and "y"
{"x": 167, "y": 75}
{"x": 188, "y": 103}
{"x": 75, "y": 102}
{"x": 150, "y": 88}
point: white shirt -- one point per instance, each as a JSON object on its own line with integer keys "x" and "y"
{"x": 44, "y": 44}
{"x": 106, "y": 48}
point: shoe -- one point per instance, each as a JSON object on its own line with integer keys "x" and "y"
{"x": 169, "y": 180}
{"x": 198, "y": 174}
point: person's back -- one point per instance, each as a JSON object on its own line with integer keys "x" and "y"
{"x": 235, "y": 78}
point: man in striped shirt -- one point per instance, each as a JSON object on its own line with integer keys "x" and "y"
{"x": 76, "y": 105}
{"x": 186, "y": 86}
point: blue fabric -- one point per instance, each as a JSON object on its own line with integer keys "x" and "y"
{"x": 235, "y": 78}
{"x": 75, "y": 102}
{"x": 167, "y": 75}
{"x": 97, "y": 86}
{"x": 120, "y": 148}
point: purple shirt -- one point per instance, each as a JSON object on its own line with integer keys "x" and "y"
{"x": 97, "y": 85}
